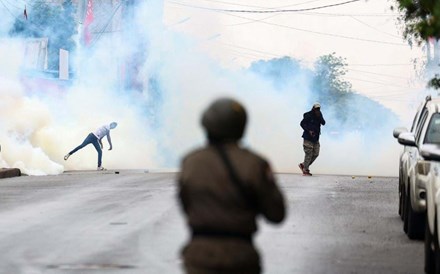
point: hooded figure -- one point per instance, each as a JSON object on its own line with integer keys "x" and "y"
{"x": 95, "y": 138}
{"x": 311, "y": 124}
{"x": 222, "y": 189}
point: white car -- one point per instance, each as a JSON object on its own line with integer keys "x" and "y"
{"x": 412, "y": 189}
{"x": 429, "y": 171}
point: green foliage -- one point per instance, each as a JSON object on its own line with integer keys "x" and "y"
{"x": 421, "y": 19}
{"x": 328, "y": 83}
{"x": 49, "y": 20}
{"x": 280, "y": 71}
{"x": 353, "y": 112}
{"x": 345, "y": 110}
{"x": 434, "y": 82}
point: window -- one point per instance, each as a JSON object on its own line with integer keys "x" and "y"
{"x": 433, "y": 132}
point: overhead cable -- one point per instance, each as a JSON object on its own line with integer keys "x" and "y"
{"x": 324, "y": 33}
{"x": 265, "y": 11}
{"x": 259, "y": 7}
{"x": 314, "y": 32}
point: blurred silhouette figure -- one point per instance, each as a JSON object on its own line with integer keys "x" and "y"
{"x": 222, "y": 189}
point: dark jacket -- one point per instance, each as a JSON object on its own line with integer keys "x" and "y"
{"x": 311, "y": 123}
{"x": 213, "y": 205}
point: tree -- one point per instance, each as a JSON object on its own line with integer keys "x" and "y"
{"x": 421, "y": 20}
{"x": 280, "y": 70}
{"x": 52, "y": 21}
{"x": 328, "y": 82}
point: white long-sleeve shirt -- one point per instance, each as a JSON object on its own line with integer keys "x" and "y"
{"x": 102, "y": 131}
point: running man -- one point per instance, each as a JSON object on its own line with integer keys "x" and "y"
{"x": 311, "y": 124}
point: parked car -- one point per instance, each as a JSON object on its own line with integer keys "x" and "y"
{"x": 412, "y": 188}
{"x": 429, "y": 171}
{"x": 406, "y": 159}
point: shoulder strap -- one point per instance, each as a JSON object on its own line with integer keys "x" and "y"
{"x": 234, "y": 177}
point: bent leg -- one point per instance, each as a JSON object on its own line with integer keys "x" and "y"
{"x": 315, "y": 153}
{"x": 86, "y": 141}
{"x": 308, "y": 157}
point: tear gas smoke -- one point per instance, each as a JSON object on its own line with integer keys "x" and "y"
{"x": 158, "y": 126}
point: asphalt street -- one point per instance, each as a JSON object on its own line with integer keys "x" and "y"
{"x": 102, "y": 222}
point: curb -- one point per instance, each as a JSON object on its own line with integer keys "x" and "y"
{"x": 9, "y": 172}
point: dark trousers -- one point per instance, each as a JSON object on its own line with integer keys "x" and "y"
{"x": 90, "y": 139}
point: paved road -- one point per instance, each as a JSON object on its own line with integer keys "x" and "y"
{"x": 90, "y": 222}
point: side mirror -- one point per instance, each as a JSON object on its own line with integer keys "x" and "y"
{"x": 398, "y": 130}
{"x": 430, "y": 152}
{"x": 407, "y": 139}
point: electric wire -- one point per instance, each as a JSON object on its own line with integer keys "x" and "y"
{"x": 376, "y": 29}
{"x": 32, "y": 26}
{"x": 13, "y": 5}
{"x": 320, "y": 33}
{"x": 267, "y": 11}
{"x": 379, "y": 65}
{"x": 100, "y": 33}
{"x": 326, "y": 34}
{"x": 7, "y": 9}
{"x": 375, "y": 73}
{"x": 347, "y": 14}
{"x": 373, "y": 82}
{"x": 259, "y": 54}
{"x": 259, "y": 7}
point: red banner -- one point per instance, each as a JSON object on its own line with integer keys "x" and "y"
{"x": 87, "y": 22}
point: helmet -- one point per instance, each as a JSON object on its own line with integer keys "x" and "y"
{"x": 225, "y": 119}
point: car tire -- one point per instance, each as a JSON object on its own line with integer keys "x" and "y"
{"x": 415, "y": 222}
{"x": 405, "y": 199}
{"x": 430, "y": 265}
{"x": 400, "y": 199}
{"x": 436, "y": 251}
{"x": 401, "y": 192}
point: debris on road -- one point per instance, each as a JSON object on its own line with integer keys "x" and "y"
{"x": 9, "y": 172}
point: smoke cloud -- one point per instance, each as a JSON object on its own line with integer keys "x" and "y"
{"x": 160, "y": 123}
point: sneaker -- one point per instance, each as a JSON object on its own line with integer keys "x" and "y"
{"x": 307, "y": 173}
{"x": 101, "y": 168}
{"x": 301, "y": 166}
{"x": 66, "y": 156}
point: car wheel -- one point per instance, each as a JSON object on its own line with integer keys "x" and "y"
{"x": 405, "y": 201}
{"x": 429, "y": 251}
{"x": 436, "y": 251}
{"x": 400, "y": 199}
{"x": 416, "y": 222}
{"x": 401, "y": 204}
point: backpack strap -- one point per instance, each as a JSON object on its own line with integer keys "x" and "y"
{"x": 238, "y": 183}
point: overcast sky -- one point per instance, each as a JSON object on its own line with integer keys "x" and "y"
{"x": 366, "y": 33}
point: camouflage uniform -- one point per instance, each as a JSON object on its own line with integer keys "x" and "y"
{"x": 221, "y": 219}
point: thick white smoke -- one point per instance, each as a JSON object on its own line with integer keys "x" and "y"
{"x": 155, "y": 131}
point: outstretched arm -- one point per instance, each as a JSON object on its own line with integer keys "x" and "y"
{"x": 109, "y": 139}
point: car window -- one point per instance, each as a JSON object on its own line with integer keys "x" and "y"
{"x": 433, "y": 132}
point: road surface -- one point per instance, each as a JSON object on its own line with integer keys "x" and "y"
{"x": 102, "y": 222}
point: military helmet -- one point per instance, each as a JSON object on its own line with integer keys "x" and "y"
{"x": 225, "y": 119}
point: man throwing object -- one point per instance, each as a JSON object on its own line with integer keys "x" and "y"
{"x": 95, "y": 138}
